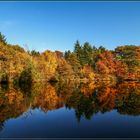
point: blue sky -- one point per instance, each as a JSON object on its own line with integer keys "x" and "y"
{"x": 57, "y": 25}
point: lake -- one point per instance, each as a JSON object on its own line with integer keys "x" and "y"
{"x": 70, "y": 110}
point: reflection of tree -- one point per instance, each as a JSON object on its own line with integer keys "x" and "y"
{"x": 130, "y": 105}
{"x": 106, "y": 98}
{"x": 83, "y": 105}
{"x": 88, "y": 89}
{"x": 26, "y": 89}
{"x": 128, "y": 98}
{"x": 66, "y": 90}
{"x": 4, "y": 87}
{"x": 1, "y": 126}
{"x": 85, "y": 99}
{"x": 125, "y": 97}
{"x": 12, "y": 104}
{"x": 47, "y": 98}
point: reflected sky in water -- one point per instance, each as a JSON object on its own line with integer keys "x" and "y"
{"x": 70, "y": 110}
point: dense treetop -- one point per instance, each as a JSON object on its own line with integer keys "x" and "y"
{"x": 85, "y": 62}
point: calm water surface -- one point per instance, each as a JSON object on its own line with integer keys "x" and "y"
{"x": 70, "y": 110}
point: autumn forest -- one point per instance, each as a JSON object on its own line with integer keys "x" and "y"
{"x": 87, "y": 82}
{"x": 85, "y": 63}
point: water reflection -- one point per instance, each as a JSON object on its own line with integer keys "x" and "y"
{"x": 85, "y": 99}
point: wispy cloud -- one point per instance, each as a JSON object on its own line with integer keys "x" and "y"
{"x": 6, "y": 24}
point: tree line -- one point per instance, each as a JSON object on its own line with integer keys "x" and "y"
{"x": 84, "y": 63}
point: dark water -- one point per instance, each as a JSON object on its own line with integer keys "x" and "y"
{"x": 70, "y": 111}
